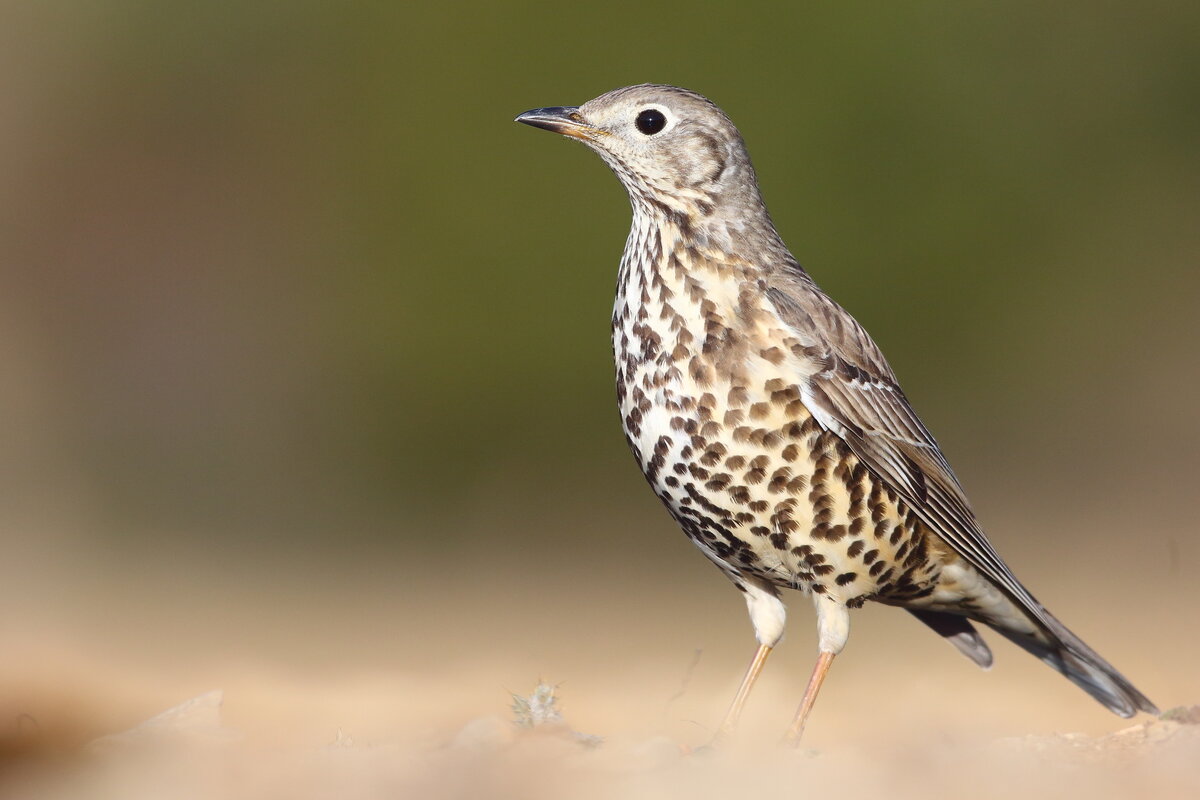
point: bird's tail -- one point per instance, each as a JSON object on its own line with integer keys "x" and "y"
{"x": 1055, "y": 645}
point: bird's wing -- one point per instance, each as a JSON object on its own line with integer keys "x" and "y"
{"x": 850, "y": 389}
{"x": 853, "y": 392}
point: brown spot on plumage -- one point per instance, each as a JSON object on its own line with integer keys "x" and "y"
{"x": 718, "y": 482}
{"x": 713, "y": 454}
{"x": 918, "y": 555}
{"x": 772, "y": 354}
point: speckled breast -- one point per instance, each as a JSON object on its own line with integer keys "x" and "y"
{"x": 721, "y": 434}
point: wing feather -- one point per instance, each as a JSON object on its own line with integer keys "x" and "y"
{"x": 853, "y": 392}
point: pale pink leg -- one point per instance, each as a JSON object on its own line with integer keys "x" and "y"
{"x": 743, "y": 692}
{"x": 792, "y": 737}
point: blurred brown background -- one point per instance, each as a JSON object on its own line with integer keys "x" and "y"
{"x": 305, "y": 388}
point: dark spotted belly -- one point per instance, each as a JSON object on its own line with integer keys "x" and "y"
{"x": 762, "y": 490}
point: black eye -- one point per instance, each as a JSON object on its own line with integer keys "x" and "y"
{"x": 650, "y": 121}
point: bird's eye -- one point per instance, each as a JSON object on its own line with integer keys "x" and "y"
{"x": 650, "y": 121}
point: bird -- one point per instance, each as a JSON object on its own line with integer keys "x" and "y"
{"x": 768, "y": 421}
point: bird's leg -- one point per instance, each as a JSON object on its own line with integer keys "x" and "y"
{"x": 792, "y": 737}
{"x": 768, "y": 616}
{"x": 743, "y": 692}
{"x": 833, "y": 628}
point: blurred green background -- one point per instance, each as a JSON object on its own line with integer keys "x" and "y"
{"x": 286, "y": 297}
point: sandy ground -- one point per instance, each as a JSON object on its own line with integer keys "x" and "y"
{"x": 629, "y": 730}
{"x": 187, "y": 752}
{"x": 380, "y": 676}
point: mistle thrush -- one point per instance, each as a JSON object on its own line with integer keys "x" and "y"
{"x": 769, "y": 423}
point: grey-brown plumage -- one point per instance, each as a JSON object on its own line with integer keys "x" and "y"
{"x": 770, "y": 424}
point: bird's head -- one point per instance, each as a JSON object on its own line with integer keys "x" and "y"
{"x": 672, "y": 148}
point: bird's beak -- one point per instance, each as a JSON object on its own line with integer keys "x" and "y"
{"x": 560, "y": 119}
